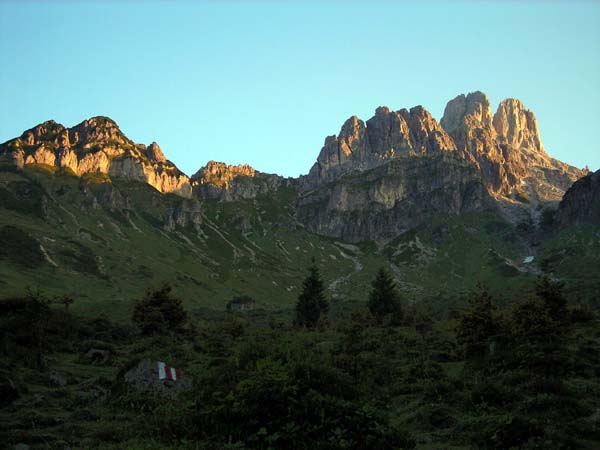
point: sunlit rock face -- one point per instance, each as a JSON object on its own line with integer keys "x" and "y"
{"x": 506, "y": 148}
{"x": 96, "y": 145}
{"x": 224, "y": 182}
{"x": 386, "y": 136}
{"x": 400, "y": 168}
{"x": 373, "y": 180}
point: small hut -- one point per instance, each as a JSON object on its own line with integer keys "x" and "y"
{"x": 241, "y": 303}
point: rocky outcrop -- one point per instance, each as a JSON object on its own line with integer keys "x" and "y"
{"x": 372, "y": 180}
{"x": 385, "y": 201}
{"x": 113, "y": 198}
{"x": 350, "y": 193}
{"x": 507, "y": 148}
{"x": 223, "y": 182}
{"x": 386, "y": 136}
{"x": 155, "y": 153}
{"x": 96, "y": 145}
{"x": 187, "y": 213}
{"x": 581, "y": 203}
{"x": 518, "y": 127}
{"x": 473, "y": 108}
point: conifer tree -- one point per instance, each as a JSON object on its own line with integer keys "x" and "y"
{"x": 551, "y": 293}
{"x": 312, "y": 303}
{"x": 384, "y": 298}
{"x": 478, "y": 324}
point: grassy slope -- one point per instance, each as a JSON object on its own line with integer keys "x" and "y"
{"x": 108, "y": 257}
{"x": 573, "y": 255}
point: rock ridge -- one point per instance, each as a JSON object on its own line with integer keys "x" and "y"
{"x": 96, "y": 145}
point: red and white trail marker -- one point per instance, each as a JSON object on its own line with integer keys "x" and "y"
{"x": 167, "y": 372}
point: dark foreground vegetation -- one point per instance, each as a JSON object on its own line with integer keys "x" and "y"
{"x": 390, "y": 376}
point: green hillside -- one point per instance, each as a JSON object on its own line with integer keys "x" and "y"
{"x": 105, "y": 241}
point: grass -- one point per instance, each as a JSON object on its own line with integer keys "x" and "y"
{"x": 573, "y": 255}
{"x": 107, "y": 255}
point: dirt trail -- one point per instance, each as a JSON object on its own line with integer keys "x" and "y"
{"x": 358, "y": 267}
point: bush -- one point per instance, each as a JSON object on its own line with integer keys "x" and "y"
{"x": 25, "y": 325}
{"x": 158, "y": 312}
{"x": 283, "y": 405}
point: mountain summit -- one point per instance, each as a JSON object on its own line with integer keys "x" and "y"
{"x": 374, "y": 180}
{"x": 96, "y": 145}
{"x": 400, "y": 168}
{"x": 505, "y": 147}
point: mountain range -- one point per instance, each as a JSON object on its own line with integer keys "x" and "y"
{"x": 443, "y": 204}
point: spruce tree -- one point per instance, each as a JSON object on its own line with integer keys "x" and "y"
{"x": 384, "y": 298}
{"x": 312, "y": 303}
{"x": 478, "y": 324}
{"x": 551, "y": 293}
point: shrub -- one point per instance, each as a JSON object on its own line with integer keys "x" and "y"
{"x": 158, "y": 312}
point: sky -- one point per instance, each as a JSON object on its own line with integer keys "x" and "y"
{"x": 265, "y": 82}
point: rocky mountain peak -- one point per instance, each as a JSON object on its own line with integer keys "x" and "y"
{"x": 95, "y": 145}
{"x": 44, "y": 131}
{"x": 473, "y": 108}
{"x": 219, "y": 173}
{"x": 155, "y": 153}
{"x": 381, "y": 110}
{"x": 506, "y": 148}
{"x": 98, "y": 130}
{"x": 217, "y": 180}
{"x": 517, "y": 126}
{"x": 385, "y": 136}
{"x": 352, "y": 128}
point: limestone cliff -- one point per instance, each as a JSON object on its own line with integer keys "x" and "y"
{"x": 344, "y": 196}
{"x": 506, "y": 148}
{"x": 96, "y": 145}
{"x": 224, "y": 182}
{"x": 387, "y": 135}
{"x": 389, "y": 199}
{"x": 373, "y": 180}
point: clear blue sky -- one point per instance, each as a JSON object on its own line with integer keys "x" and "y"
{"x": 264, "y": 83}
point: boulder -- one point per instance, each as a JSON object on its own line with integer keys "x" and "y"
{"x": 157, "y": 378}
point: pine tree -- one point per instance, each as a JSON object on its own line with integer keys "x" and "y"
{"x": 477, "y": 325}
{"x": 384, "y": 298}
{"x": 312, "y": 303}
{"x": 551, "y": 293}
